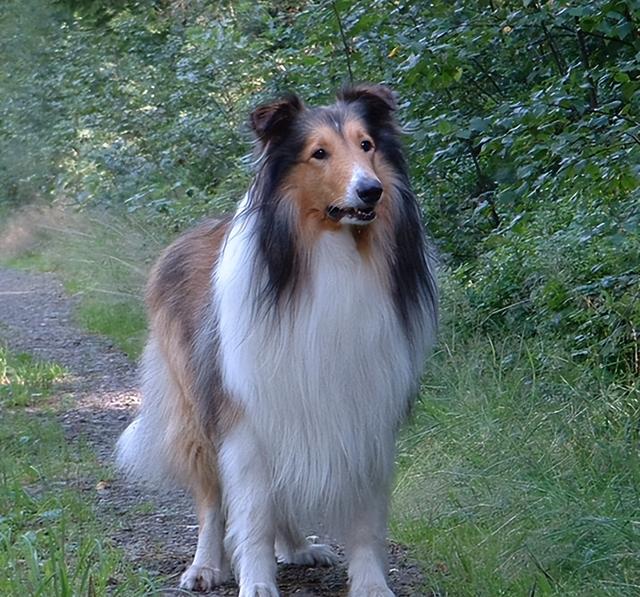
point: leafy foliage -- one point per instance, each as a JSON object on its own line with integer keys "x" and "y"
{"x": 523, "y": 117}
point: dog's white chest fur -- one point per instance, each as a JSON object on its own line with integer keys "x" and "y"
{"x": 323, "y": 388}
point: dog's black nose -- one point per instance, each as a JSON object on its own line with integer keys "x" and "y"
{"x": 369, "y": 191}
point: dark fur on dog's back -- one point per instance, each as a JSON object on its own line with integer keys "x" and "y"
{"x": 180, "y": 280}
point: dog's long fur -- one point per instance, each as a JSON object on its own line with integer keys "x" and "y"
{"x": 286, "y": 345}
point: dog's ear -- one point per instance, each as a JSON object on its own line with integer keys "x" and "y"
{"x": 273, "y": 120}
{"x": 378, "y": 101}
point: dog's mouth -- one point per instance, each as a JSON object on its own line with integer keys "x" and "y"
{"x": 357, "y": 215}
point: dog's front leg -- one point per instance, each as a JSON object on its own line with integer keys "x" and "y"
{"x": 251, "y": 525}
{"x": 210, "y": 566}
{"x": 366, "y": 550}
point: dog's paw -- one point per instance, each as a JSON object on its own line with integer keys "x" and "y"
{"x": 259, "y": 589}
{"x": 312, "y": 555}
{"x": 202, "y": 578}
{"x": 371, "y": 591}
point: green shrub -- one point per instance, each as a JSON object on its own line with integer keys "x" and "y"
{"x": 523, "y": 118}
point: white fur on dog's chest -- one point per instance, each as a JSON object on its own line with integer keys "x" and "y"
{"x": 323, "y": 388}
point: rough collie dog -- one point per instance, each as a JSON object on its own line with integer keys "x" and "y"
{"x": 286, "y": 344}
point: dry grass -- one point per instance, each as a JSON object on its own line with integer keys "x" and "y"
{"x": 101, "y": 257}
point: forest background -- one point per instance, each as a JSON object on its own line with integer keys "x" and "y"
{"x": 124, "y": 122}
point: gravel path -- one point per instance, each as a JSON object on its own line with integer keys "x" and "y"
{"x": 156, "y": 529}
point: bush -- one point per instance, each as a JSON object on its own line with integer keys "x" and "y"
{"x": 524, "y": 137}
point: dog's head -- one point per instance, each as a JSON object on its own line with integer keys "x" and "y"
{"x": 336, "y": 165}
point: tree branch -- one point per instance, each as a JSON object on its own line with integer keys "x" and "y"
{"x": 554, "y": 51}
{"x": 487, "y": 74}
{"x": 344, "y": 42}
{"x": 597, "y": 36}
{"x": 584, "y": 57}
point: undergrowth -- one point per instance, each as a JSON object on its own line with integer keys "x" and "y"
{"x": 51, "y": 542}
{"x": 520, "y": 475}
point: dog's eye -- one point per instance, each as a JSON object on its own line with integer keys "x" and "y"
{"x": 366, "y": 145}
{"x": 320, "y": 154}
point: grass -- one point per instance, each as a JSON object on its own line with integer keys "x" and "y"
{"x": 25, "y": 381}
{"x": 51, "y": 542}
{"x": 123, "y": 321}
{"x": 520, "y": 475}
{"x": 101, "y": 258}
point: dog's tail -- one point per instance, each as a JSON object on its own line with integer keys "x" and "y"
{"x": 143, "y": 450}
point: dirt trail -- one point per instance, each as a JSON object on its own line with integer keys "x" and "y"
{"x": 156, "y": 529}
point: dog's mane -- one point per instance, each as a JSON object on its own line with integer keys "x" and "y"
{"x": 279, "y": 252}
